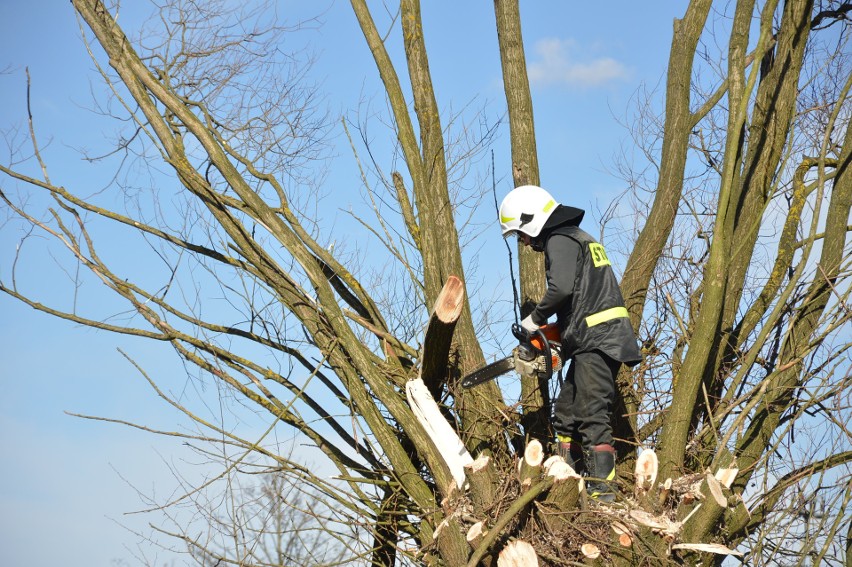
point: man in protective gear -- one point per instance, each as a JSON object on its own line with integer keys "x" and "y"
{"x": 583, "y": 294}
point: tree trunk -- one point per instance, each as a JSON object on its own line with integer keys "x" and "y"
{"x": 660, "y": 222}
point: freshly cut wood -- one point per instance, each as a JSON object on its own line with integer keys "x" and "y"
{"x": 534, "y": 453}
{"x": 529, "y": 468}
{"x": 561, "y": 467}
{"x": 665, "y": 490}
{"x": 518, "y": 553}
{"x": 619, "y": 528}
{"x": 590, "y": 551}
{"x": 726, "y": 477}
{"x": 561, "y": 471}
{"x": 660, "y": 524}
{"x": 715, "y": 490}
{"x": 717, "y": 548}
{"x": 649, "y": 520}
{"x": 645, "y": 471}
{"x": 550, "y": 461}
{"x": 442, "y": 434}
{"x": 476, "y": 466}
{"x": 437, "y": 533}
{"x": 566, "y": 488}
{"x": 621, "y": 548}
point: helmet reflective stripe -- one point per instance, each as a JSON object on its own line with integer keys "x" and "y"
{"x": 526, "y": 209}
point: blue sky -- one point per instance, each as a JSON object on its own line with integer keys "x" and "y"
{"x": 66, "y": 484}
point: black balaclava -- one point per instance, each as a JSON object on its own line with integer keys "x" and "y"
{"x": 562, "y": 216}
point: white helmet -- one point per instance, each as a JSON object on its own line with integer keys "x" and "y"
{"x": 526, "y": 209}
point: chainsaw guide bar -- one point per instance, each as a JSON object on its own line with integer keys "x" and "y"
{"x": 489, "y": 372}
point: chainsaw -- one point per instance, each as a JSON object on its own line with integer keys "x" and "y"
{"x": 538, "y": 354}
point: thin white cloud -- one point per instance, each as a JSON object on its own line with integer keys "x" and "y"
{"x": 556, "y": 61}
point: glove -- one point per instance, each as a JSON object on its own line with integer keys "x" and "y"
{"x": 529, "y": 325}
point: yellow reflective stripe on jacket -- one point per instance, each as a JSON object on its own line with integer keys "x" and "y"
{"x": 606, "y": 315}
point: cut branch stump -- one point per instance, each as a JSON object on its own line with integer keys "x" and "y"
{"x": 518, "y": 553}
{"x": 645, "y": 472}
{"x": 711, "y": 508}
{"x": 726, "y": 477}
{"x": 529, "y": 467}
{"x": 482, "y": 482}
{"x": 665, "y": 491}
{"x": 475, "y": 534}
{"x": 590, "y": 551}
{"x": 563, "y": 495}
{"x": 474, "y": 537}
{"x": 439, "y": 335}
{"x": 622, "y": 551}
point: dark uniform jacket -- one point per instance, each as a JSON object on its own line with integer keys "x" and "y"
{"x": 583, "y": 292}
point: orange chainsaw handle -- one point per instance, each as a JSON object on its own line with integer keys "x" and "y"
{"x": 536, "y": 339}
{"x": 550, "y": 332}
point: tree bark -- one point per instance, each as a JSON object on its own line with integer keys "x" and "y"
{"x": 483, "y": 484}
{"x": 755, "y": 186}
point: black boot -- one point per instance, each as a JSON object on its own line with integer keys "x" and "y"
{"x": 601, "y": 473}
{"x": 572, "y": 452}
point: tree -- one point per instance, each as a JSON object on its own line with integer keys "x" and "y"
{"x": 737, "y": 284}
{"x": 272, "y": 522}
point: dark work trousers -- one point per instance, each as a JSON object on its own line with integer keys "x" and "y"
{"x": 584, "y": 405}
